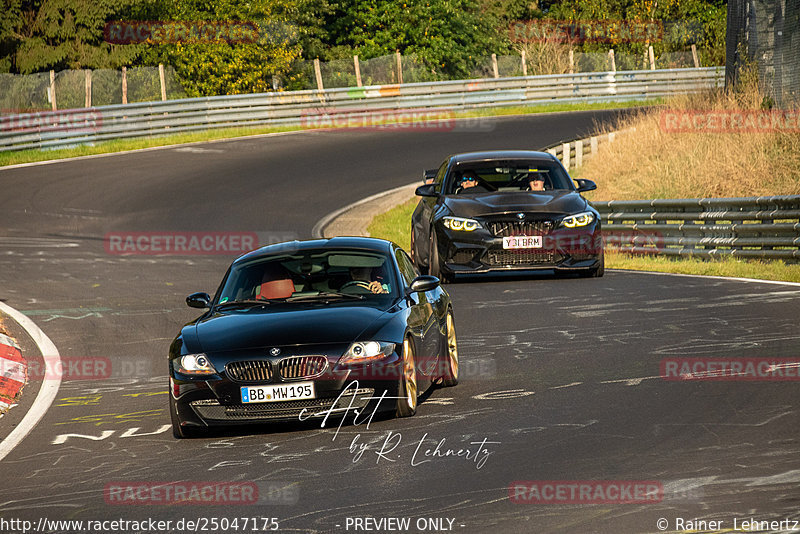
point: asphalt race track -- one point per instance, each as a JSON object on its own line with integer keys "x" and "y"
{"x": 560, "y": 377}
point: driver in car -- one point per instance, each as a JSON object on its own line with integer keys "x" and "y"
{"x": 361, "y": 277}
{"x": 469, "y": 180}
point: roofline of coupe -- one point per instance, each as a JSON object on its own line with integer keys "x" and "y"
{"x": 369, "y": 244}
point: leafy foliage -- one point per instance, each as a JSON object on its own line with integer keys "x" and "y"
{"x": 59, "y": 34}
{"x": 447, "y": 35}
{"x": 222, "y": 67}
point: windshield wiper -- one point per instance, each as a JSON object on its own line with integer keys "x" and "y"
{"x": 326, "y": 295}
{"x": 247, "y": 303}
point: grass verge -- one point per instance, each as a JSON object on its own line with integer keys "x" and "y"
{"x": 658, "y": 161}
{"x": 120, "y": 145}
{"x": 394, "y": 225}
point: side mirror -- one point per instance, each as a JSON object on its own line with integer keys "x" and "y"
{"x": 585, "y": 185}
{"x": 423, "y": 283}
{"x": 429, "y": 176}
{"x": 426, "y": 190}
{"x": 198, "y": 300}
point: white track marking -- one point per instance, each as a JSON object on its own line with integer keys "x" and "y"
{"x": 48, "y": 391}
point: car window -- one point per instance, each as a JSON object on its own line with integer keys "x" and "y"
{"x": 311, "y": 272}
{"x": 407, "y": 269}
{"x": 440, "y": 177}
{"x": 511, "y": 176}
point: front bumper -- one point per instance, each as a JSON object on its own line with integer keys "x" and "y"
{"x": 481, "y": 251}
{"x": 339, "y": 392}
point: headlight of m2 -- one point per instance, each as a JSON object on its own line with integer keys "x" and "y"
{"x": 364, "y": 351}
{"x": 461, "y": 224}
{"x": 194, "y": 364}
{"x": 578, "y": 220}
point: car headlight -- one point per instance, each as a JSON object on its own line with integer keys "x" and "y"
{"x": 580, "y": 219}
{"x": 362, "y": 351}
{"x": 460, "y": 224}
{"x": 194, "y": 364}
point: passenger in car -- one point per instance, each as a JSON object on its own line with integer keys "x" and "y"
{"x": 536, "y": 182}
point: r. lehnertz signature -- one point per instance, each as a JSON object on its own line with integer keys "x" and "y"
{"x": 477, "y": 451}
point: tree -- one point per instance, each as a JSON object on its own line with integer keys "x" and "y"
{"x": 37, "y": 35}
{"x": 231, "y": 67}
{"x": 447, "y": 35}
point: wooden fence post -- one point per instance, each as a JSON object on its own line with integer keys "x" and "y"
{"x": 399, "y": 66}
{"x": 565, "y": 155}
{"x": 694, "y": 57}
{"x": 357, "y": 67}
{"x": 88, "y": 85}
{"x": 571, "y": 62}
{"x": 612, "y": 60}
{"x": 124, "y": 85}
{"x": 652, "y": 57}
{"x": 494, "y": 66}
{"x": 161, "y": 77}
{"x": 318, "y": 75}
{"x": 524, "y": 64}
{"x": 53, "y": 90}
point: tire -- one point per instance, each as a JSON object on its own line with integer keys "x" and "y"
{"x": 433, "y": 256}
{"x": 450, "y": 375}
{"x": 406, "y": 405}
{"x": 598, "y": 271}
{"x": 601, "y": 270}
{"x": 178, "y": 431}
{"x": 434, "y": 267}
{"x": 423, "y": 269}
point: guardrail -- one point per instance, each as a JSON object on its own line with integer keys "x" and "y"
{"x": 572, "y": 153}
{"x": 757, "y": 227}
{"x": 58, "y": 129}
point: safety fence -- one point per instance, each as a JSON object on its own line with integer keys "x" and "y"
{"x": 347, "y": 106}
{"x": 756, "y": 227}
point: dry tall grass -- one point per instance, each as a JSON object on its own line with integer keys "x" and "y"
{"x": 652, "y": 163}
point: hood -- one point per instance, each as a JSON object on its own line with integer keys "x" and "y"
{"x": 271, "y": 327}
{"x": 557, "y": 202}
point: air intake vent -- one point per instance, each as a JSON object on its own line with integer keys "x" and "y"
{"x": 250, "y": 371}
{"x": 510, "y": 228}
{"x": 302, "y": 366}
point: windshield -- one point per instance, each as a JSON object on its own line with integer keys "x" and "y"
{"x": 512, "y": 176}
{"x": 311, "y": 275}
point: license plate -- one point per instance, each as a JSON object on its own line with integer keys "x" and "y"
{"x": 523, "y": 241}
{"x": 277, "y": 393}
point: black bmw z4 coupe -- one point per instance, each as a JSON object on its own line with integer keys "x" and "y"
{"x": 309, "y": 330}
{"x": 504, "y": 211}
